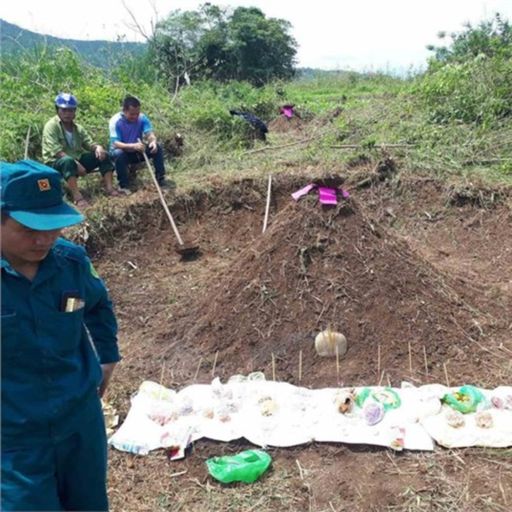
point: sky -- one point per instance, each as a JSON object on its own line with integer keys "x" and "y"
{"x": 359, "y": 35}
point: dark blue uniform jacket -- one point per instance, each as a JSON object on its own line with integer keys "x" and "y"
{"x": 51, "y": 358}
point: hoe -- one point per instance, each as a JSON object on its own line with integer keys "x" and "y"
{"x": 187, "y": 250}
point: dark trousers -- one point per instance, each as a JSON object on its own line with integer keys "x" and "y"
{"x": 123, "y": 159}
{"x": 67, "y": 165}
{"x": 59, "y": 474}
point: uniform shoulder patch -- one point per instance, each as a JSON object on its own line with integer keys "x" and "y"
{"x": 69, "y": 250}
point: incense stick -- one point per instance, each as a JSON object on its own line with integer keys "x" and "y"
{"x": 337, "y": 363}
{"x": 410, "y": 357}
{"x": 446, "y": 375}
{"x": 161, "y": 380}
{"x": 273, "y": 367}
{"x": 198, "y": 368}
{"x": 425, "y": 360}
{"x": 215, "y": 363}
{"x": 300, "y": 365}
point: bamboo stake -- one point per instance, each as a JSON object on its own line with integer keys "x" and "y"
{"x": 337, "y": 363}
{"x": 267, "y": 207}
{"x": 273, "y": 367}
{"x": 215, "y": 363}
{"x": 381, "y": 377}
{"x": 161, "y": 380}
{"x": 162, "y": 373}
{"x": 300, "y": 365}
{"x": 410, "y": 357}
{"x": 446, "y": 375}
{"x": 27, "y": 139}
{"x": 378, "y": 359}
{"x": 198, "y": 368}
{"x": 425, "y": 360}
{"x": 389, "y": 380}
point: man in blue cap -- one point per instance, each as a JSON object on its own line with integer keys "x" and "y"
{"x": 54, "y": 451}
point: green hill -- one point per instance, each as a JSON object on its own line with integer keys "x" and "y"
{"x": 14, "y": 39}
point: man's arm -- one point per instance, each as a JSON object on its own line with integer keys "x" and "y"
{"x": 101, "y": 322}
{"x": 51, "y": 144}
{"x": 147, "y": 130}
{"x": 135, "y": 146}
{"x": 89, "y": 145}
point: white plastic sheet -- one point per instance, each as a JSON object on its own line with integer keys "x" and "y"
{"x": 269, "y": 413}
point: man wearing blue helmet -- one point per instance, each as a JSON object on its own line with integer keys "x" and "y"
{"x": 58, "y": 352}
{"x": 68, "y": 148}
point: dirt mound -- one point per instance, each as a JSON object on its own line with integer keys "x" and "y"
{"x": 316, "y": 268}
{"x": 282, "y": 124}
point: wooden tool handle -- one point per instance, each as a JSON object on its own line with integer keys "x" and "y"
{"x": 162, "y": 199}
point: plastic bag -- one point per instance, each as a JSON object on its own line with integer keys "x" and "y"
{"x": 465, "y": 400}
{"x": 246, "y": 466}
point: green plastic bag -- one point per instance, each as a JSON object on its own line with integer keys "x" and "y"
{"x": 246, "y": 466}
{"x": 465, "y": 400}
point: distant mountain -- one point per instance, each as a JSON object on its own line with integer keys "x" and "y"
{"x": 14, "y": 39}
{"x": 308, "y": 73}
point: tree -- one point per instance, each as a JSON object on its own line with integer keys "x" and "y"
{"x": 263, "y": 48}
{"x": 222, "y": 44}
{"x": 490, "y": 38}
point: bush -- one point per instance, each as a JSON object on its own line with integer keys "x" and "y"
{"x": 475, "y": 91}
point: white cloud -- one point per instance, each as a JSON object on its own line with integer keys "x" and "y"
{"x": 356, "y": 34}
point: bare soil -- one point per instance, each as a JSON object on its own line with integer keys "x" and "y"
{"x": 413, "y": 269}
{"x": 282, "y": 124}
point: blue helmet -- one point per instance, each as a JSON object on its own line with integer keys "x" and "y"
{"x": 66, "y": 100}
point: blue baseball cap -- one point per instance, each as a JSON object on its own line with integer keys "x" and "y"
{"x": 31, "y": 194}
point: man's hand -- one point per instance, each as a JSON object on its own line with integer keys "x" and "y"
{"x": 139, "y": 146}
{"x": 80, "y": 169}
{"x": 153, "y": 148}
{"x": 108, "y": 370}
{"x": 100, "y": 153}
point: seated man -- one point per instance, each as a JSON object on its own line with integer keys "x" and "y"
{"x": 69, "y": 149}
{"x": 126, "y": 129}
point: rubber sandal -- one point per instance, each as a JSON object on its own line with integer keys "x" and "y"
{"x": 82, "y": 203}
{"x": 113, "y": 193}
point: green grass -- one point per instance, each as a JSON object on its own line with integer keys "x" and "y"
{"x": 375, "y": 109}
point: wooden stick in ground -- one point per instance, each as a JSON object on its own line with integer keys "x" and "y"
{"x": 425, "y": 360}
{"x": 410, "y": 357}
{"x": 267, "y": 206}
{"x": 198, "y": 368}
{"x": 27, "y": 140}
{"x": 446, "y": 375}
{"x": 378, "y": 359}
{"x": 300, "y": 365}
{"x": 273, "y": 367}
{"x": 215, "y": 363}
{"x": 162, "y": 199}
{"x": 161, "y": 379}
{"x": 337, "y": 363}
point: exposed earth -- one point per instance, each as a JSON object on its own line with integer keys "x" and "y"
{"x": 411, "y": 269}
